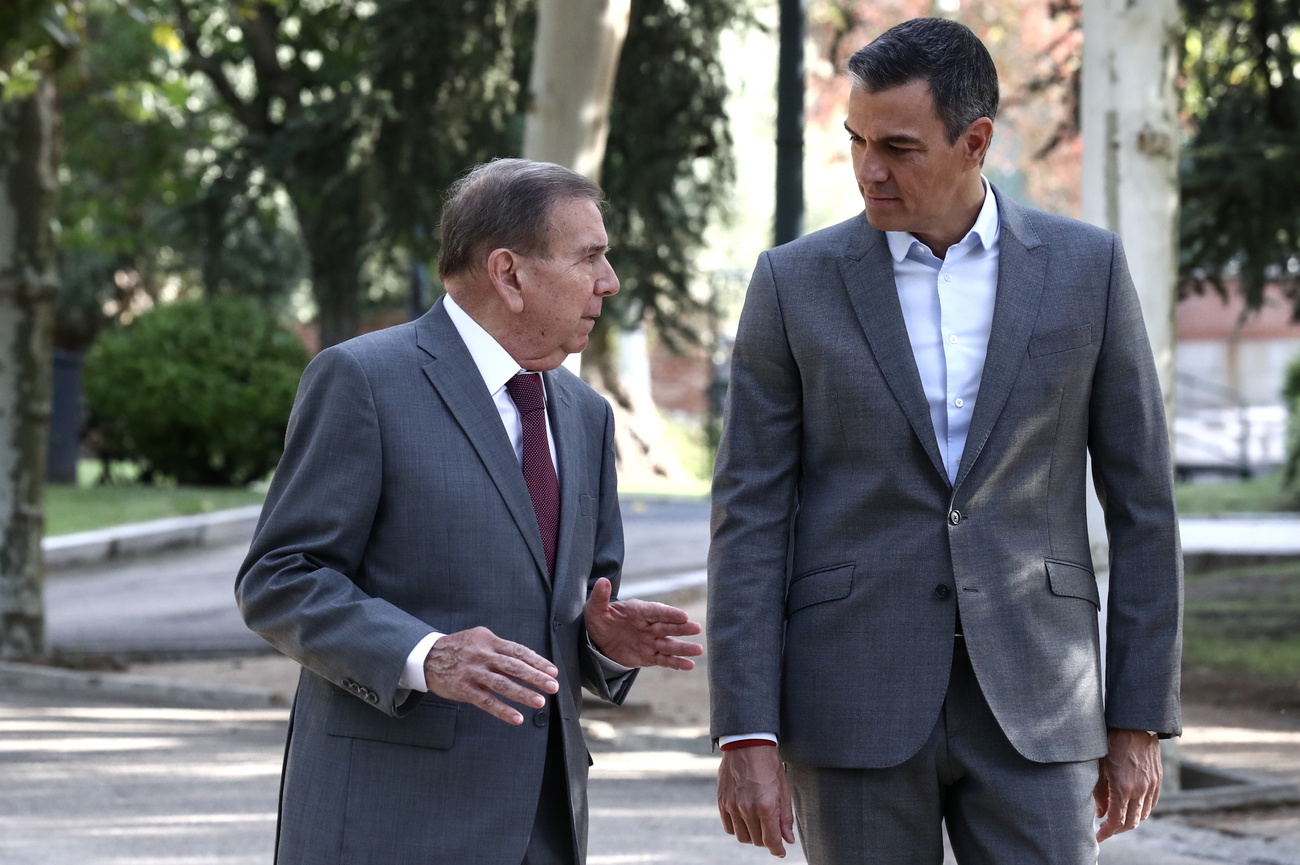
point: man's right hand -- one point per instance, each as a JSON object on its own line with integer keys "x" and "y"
{"x": 478, "y": 667}
{"x": 754, "y": 798}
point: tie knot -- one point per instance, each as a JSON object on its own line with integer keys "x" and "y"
{"x": 526, "y": 390}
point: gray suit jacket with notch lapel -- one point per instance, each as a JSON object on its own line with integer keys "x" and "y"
{"x": 399, "y": 508}
{"x": 841, "y": 552}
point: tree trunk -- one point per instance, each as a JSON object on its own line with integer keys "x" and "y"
{"x": 335, "y": 247}
{"x": 575, "y": 58}
{"x": 575, "y": 62}
{"x": 1130, "y": 182}
{"x": 28, "y": 287}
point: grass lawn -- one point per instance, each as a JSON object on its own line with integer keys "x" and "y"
{"x": 1242, "y": 636}
{"x": 78, "y": 509}
{"x": 1254, "y": 495}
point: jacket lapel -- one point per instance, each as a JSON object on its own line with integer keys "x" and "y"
{"x": 868, "y": 273}
{"x": 1022, "y": 269}
{"x": 452, "y": 372}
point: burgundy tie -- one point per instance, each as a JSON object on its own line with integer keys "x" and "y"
{"x": 543, "y": 487}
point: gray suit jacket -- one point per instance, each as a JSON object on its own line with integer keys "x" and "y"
{"x": 841, "y": 553}
{"x": 399, "y": 507}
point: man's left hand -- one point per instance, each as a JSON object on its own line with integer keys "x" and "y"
{"x": 1129, "y": 785}
{"x": 638, "y": 633}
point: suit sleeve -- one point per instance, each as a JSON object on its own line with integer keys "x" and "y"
{"x": 298, "y": 585}
{"x": 754, "y": 502}
{"x": 607, "y": 562}
{"x": 1129, "y": 444}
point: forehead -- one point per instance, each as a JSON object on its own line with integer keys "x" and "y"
{"x": 576, "y": 225}
{"x": 905, "y": 110}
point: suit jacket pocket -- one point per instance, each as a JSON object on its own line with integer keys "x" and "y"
{"x": 1061, "y": 340}
{"x": 432, "y": 724}
{"x": 815, "y": 587}
{"x": 1069, "y": 580}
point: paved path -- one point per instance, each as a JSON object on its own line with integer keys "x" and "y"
{"x": 103, "y": 781}
{"x": 182, "y": 600}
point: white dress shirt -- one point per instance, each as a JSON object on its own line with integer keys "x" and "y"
{"x": 497, "y": 368}
{"x": 948, "y": 309}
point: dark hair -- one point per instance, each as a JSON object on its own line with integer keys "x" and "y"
{"x": 963, "y": 81}
{"x": 505, "y": 204}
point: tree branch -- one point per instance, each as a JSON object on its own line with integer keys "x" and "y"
{"x": 272, "y": 79}
{"x": 255, "y": 120}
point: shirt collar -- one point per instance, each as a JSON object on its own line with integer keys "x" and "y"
{"x": 984, "y": 231}
{"x": 494, "y": 363}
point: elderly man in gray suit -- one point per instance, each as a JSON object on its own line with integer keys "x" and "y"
{"x": 439, "y": 549}
{"x": 901, "y": 593}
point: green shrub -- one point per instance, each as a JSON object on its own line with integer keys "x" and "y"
{"x": 199, "y": 391}
{"x": 1291, "y": 394}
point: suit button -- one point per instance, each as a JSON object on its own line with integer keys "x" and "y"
{"x": 539, "y": 719}
{"x": 954, "y": 517}
{"x": 372, "y": 698}
{"x": 942, "y": 592}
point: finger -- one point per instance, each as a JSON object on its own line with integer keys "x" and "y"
{"x": 684, "y": 648}
{"x": 726, "y": 820}
{"x": 511, "y": 690}
{"x": 520, "y": 652}
{"x": 601, "y": 592}
{"x": 513, "y": 668}
{"x": 772, "y": 836}
{"x": 497, "y": 709}
{"x": 787, "y": 817}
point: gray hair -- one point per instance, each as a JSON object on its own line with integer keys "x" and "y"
{"x": 947, "y": 55}
{"x": 505, "y": 204}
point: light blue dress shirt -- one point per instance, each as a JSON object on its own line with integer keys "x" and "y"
{"x": 948, "y": 308}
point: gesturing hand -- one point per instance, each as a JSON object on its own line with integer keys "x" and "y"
{"x": 1129, "y": 783}
{"x": 754, "y": 798}
{"x": 476, "y": 667}
{"x": 638, "y": 633}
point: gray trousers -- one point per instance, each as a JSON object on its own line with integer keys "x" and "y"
{"x": 999, "y": 808}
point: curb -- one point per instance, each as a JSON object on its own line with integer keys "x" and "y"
{"x": 19, "y": 675}
{"x": 133, "y": 539}
{"x": 1211, "y": 788}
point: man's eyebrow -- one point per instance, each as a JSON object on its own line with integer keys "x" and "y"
{"x": 892, "y": 139}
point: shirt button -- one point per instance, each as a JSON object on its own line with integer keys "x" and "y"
{"x": 953, "y": 339}
{"x": 947, "y": 277}
{"x": 959, "y": 402}
{"x": 954, "y": 517}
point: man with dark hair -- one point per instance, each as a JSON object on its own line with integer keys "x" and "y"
{"x": 439, "y": 550}
{"x": 901, "y": 593}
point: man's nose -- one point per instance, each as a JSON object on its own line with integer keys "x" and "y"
{"x": 871, "y": 169}
{"x": 608, "y": 283}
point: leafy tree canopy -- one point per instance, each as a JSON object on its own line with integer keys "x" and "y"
{"x": 1240, "y": 172}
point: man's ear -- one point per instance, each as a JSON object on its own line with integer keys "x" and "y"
{"x": 503, "y": 270}
{"x": 976, "y": 140}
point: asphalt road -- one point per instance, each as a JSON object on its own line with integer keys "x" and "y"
{"x": 182, "y": 602}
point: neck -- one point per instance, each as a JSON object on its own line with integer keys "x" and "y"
{"x": 966, "y": 209}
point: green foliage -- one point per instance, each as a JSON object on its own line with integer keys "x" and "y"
{"x": 669, "y": 166}
{"x": 1240, "y": 172}
{"x": 1256, "y": 495}
{"x": 1291, "y": 396}
{"x": 197, "y": 391}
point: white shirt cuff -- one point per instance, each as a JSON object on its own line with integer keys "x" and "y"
{"x": 727, "y": 740}
{"x": 413, "y": 673}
